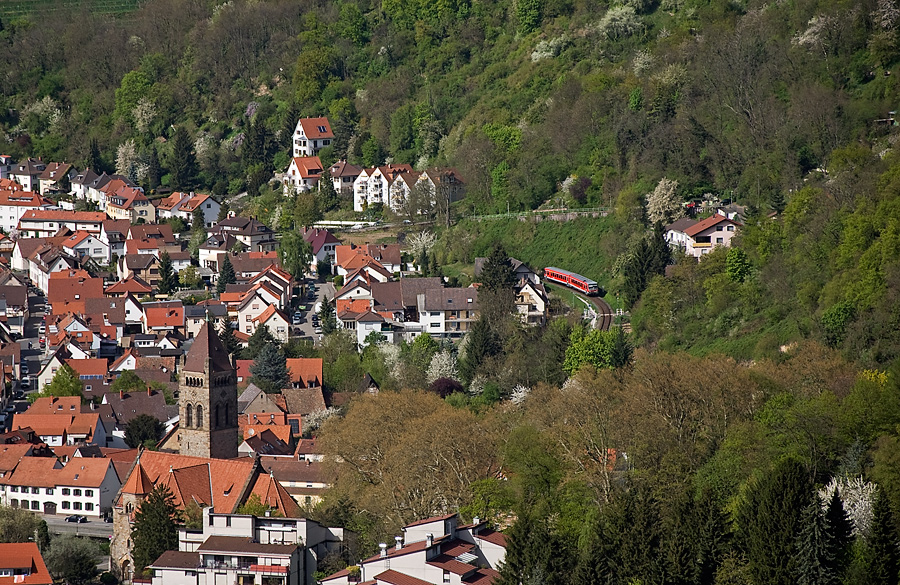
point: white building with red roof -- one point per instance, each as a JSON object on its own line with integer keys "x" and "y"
{"x": 310, "y": 136}
{"x": 323, "y": 244}
{"x": 14, "y": 203}
{"x": 21, "y": 564}
{"x": 83, "y": 244}
{"x": 433, "y": 550}
{"x": 303, "y": 174}
{"x": 698, "y": 238}
{"x": 85, "y": 485}
{"x": 182, "y": 205}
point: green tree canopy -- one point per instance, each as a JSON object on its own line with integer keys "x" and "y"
{"x": 182, "y": 161}
{"x": 226, "y": 275}
{"x": 65, "y": 382}
{"x": 228, "y": 339}
{"x": 143, "y": 428}
{"x": 269, "y": 369}
{"x": 327, "y": 317}
{"x": 168, "y": 280}
{"x": 260, "y": 339}
{"x": 155, "y": 528}
{"x": 294, "y": 254}
{"x": 73, "y": 559}
{"x": 20, "y": 525}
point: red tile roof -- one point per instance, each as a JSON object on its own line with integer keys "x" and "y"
{"x": 309, "y": 167}
{"x": 24, "y": 555}
{"x": 396, "y": 578}
{"x": 705, "y": 224}
{"x": 63, "y": 215}
{"x": 311, "y": 128}
{"x": 166, "y": 314}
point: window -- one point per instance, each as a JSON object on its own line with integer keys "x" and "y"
{"x": 14, "y": 503}
{"x": 76, "y": 492}
{"x": 89, "y": 493}
{"x": 35, "y": 490}
{"x": 227, "y": 520}
{"x": 66, "y": 491}
{"x": 731, "y": 228}
{"x": 719, "y": 228}
{"x": 210, "y": 519}
{"x": 89, "y": 506}
{"x": 76, "y": 506}
{"x": 446, "y": 576}
{"x": 13, "y": 488}
{"x": 49, "y": 491}
{"x": 35, "y": 505}
{"x": 720, "y": 240}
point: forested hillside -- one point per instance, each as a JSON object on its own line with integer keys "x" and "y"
{"x": 752, "y": 437}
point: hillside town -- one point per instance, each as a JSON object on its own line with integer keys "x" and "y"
{"x": 142, "y": 325}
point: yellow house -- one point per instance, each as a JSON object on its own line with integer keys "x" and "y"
{"x": 130, "y": 203}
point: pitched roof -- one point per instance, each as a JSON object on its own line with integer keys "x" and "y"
{"x": 309, "y": 167}
{"x": 64, "y": 215}
{"x": 304, "y": 401}
{"x": 241, "y": 544}
{"x": 67, "y": 286}
{"x": 316, "y": 128}
{"x": 164, "y": 314}
{"x": 207, "y": 345}
{"x": 55, "y": 171}
{"x": 272, "y": 494}
{"x": 152, "y": 231}
{"x": 89, "y": 367}
{"x": 176, "y": 559}
{"x": 450, "y": 299}
{"x": 344, "y": 169}
{"x": 396, "y": 578}
{"x": 131, "y": 284}
{"x": 681, "y": 224}
{"x": 318, "y": 237}
{"x": 705, "y": 224}
{"x": 24, "y": 555}
{"x": 22, "y": 199}
{"x": 270, "y": 312}
{"x": 430, "y": 520}
{"x": 138, "y": 483}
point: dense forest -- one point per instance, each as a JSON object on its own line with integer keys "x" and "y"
{"x": 752, "y": 435}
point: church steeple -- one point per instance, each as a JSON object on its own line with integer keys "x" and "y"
{"x": 208, "y": 399}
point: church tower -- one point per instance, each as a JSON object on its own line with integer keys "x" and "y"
{"x": 207, "y": 400}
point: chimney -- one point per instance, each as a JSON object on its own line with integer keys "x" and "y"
{"x": 429, "y": 540}
{"x": 476, "y": 520}
{"x": 121, "y": 394}
{"x": 383, "y": 553}
{"x": 398, "y": 543}
{"x": 149, "y": 391}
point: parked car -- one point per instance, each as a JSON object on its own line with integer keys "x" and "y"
{"x": 19, "y": 395}
{"x": 25, "y": 385}
{"x": 297, "y": 319}
{"x": 42, "y": 329}
{"x": 318, "y": 330}
{"x": 24, "y": 368}
{"x": 76, "y": 518}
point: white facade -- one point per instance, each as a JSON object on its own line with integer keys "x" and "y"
{"x": 63, "y": 490}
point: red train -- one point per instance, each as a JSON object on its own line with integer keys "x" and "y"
{"x": 576, "y": 281}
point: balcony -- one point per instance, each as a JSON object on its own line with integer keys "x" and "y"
{"x": 698, "y": 245}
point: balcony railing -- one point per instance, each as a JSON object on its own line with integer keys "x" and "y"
{"x": 702, "y": 244}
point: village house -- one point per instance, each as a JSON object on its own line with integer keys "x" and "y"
{"x": 213, "y": 484}
{"x": 84, "y": 485}
{"x": 255, "y": 235}
{"x": 448, "y": 312}
{"x": 182, "y": 205}
{"x": 373, "y": 186}
{"x": 310, "y": 136}
{"x": 433, "y": 550}
{"x": 83, "y": 245}
{"x": 323, "y": 244}
{"x": 16, "y": 203}
{"x": 697, "y": 238}
{"x": 211, "y": 252}
{"x": 130, "y": 203}
{"x": 45, "y": 223}
{"x": 6, "y": 166}
{"x": 114, "y": 233}
{"x": 143, "y": 266}
{"x": 343, "y": 175}
{"x": 246, "y": 549}
{"x": 21, "y": 564}
{"x": 55, "y": 178}
{"x": 302, "y": 174}
{"x": 27, "y": 173}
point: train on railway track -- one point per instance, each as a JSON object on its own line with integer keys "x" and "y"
{"x": 573, "y": 280}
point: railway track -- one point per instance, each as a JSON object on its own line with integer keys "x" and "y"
{"x": 605, "y": 313}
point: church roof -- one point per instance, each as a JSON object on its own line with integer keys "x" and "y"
{"x": 138, "y": 482}
{"x": 207, "y": 345}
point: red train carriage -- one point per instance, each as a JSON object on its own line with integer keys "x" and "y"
{"x": 571, "y": 279}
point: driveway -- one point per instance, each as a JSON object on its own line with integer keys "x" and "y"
{"x": 306, "y": 328}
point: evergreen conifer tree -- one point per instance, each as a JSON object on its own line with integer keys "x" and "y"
{"x": 290, "y": 125}
{"x": 168, "y": 280}
{"x": 597, "y": 555}
{"x": 269, "y": 369}
{"x": 839, "y": 535}
{"x": 93, "y": 160}
{"x": 884, "y": 560}
{"x": 260, "y": 338}
{"x": 481, "y": 343}
{"x": 226, "y": 275}
{"x": 660, "y": 252}
{"x": 621, "y": 350}
{"x": 183, "y": 164}
{"x": 155, "y": 527}
{"x": 198, "y": 221}
{"x": 532, "y": 554}
{"x": 777, "y": 202}
{"x": 769, "y": 521}
{"x": 154, "y": 172}
{"x": 229, "y": 341}
{"x": 713, "y": 537}
{"x": 327, "y": 318}
{"x": 680, "y": 543}
{"x": 812, "y": 553}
